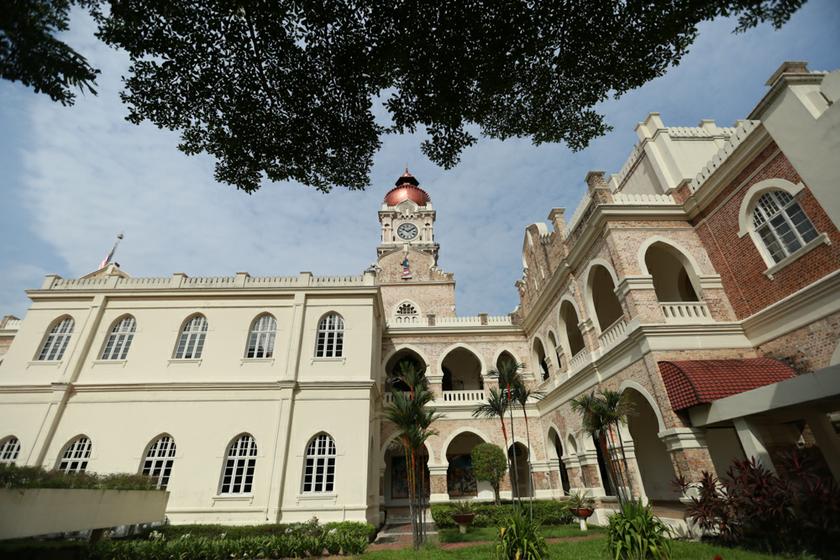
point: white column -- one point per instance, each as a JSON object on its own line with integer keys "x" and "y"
{"x": 752, "y": 443}
{"x": 828, "y": 441}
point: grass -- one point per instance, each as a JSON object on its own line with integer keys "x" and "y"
{"x": 595, "y": 549}
{"x": 477, "y": 534}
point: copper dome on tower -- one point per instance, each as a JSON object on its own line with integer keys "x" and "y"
{"x": 407, "y": 189}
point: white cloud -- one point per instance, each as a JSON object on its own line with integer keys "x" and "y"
{"x": 88, "y": 174}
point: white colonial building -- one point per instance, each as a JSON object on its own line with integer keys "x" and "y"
{"x": 703, "y": 279}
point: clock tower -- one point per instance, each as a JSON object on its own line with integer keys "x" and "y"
{"x": 407, "y": 256}
{"x": 407, "y": 219}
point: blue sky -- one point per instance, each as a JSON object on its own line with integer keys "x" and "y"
{"x": 71, "y": 178}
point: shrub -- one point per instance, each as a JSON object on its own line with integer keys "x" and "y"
{"x": 794, "y": 511}
{"x": 520, "y": 539}
{"x": 489, "y": 463}
{"x": 14, "y": 476}
{"x": 636, "y": 534}
{"x": 344, "y": 530}
{"x": 547, "y": 512}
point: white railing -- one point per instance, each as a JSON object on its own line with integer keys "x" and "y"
{"x": 476, "y": 395}
{"x": 613, "y": 333}
{"x": 578, "y": 360}
{"x": 11, "y": 324}
{"x": 471, "y": 396}
{"x": 643, "y": 199}
{"x": 470, "y": 321}
{"x": 205, "y": 282}
{"x": 686, "y": 312}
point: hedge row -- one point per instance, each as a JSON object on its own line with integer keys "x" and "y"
{"x": 311, "y": 528}
{"x": 202, "y": 548}
{"x": 206, "y": 542}
{"x": 13, "y": 476}
{"x": 547, "y": 512}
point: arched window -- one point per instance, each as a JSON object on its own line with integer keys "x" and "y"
{"x": 160, "y": 456}
{"x": 406, "y": 313}
{"x": 781, "y": 224}
{"x": 319, "y": 468}
{"x": 9, "y": 450}
{"x": 191, "y": 341}
{"x": 261, "y": 338}
{"x": 119, "y": 341}
{"x": 75, "y": 456}
{"x": 56, "y": 342}
{"x": 240, "y": 461}
{"x": 539, "y": 354}
{"x": 330, "y": 340}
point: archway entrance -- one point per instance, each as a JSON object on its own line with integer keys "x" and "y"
{"x": 460, "y": 482}
{"x": 558, "y": 450}
{"x": 396, "y": 474}
{"x": 539, "y": 354}
{"x": 607, "y": 307}
{"x": 522, "y": 461}
{"x": 403, "y": 358}
{"x": 671, "y": 280}
{"x": 461, "y": 371}
{"x": 653, "y": 459}
{"x": 602, "y": 469}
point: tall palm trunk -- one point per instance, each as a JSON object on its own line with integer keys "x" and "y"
{"x": 515, "y": 470}
{"x": 530, "y": 473}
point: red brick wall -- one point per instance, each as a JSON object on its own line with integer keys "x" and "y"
{"x": 738, "y": 260}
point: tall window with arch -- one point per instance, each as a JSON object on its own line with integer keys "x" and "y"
{"x": 261, "y": 337}
{"x": 240, "y": 462}
{"x": 160, "y": 456}
{"x": 57, "y": 340}
{"x": 781, "y": 224}
{"x": 9, "y": 450}
{"x": 329, "y": 342}
{"x": 75, "y": 457}
{"x": 191, "y": 340}
{"x": 119, "y": 339}
{"x": 406, "y": 314}
{"x": 319, "y": 466}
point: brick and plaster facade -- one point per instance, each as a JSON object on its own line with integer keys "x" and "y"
{"x": 661, "y": 262}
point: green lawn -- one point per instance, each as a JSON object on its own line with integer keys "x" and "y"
{"x": 581, "y": 550}
{"x": 489, "y": 533}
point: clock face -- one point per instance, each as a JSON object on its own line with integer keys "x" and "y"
{"x": 407, "y": 231}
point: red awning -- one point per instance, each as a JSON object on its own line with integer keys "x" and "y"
{"x": 693, "y": 382}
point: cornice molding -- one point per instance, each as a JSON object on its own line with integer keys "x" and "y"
{"x": 183, "y": 386}
{"x": 795, "y": 311}
{"x": 744, "y": 154}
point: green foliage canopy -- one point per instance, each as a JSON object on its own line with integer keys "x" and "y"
{"x": 285, "y": 90}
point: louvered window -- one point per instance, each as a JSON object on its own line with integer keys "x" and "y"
{"x": 319, "y": 468}
{"x": 56, "y": 342}
{"x": 781, "y": 224}
{"x": 191, "y": 341}
{"x": 119, "y": 340}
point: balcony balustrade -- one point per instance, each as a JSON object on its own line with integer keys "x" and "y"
{"x": 613, "y": 334}
{"x": 686, "y": 312}
{"x": 452, "y": 397}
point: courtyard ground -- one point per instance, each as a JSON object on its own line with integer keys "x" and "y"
{"x": 587, "y": 547}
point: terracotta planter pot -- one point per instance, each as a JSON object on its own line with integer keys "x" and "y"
{"x": 463, "y": 520}
{"x": 582, "y": 513}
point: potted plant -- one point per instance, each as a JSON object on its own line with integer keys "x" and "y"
{"x": 463, "y": 515}
{"x": 581, "y": 506}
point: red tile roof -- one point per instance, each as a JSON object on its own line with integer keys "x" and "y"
{"x": 693, "y": 382}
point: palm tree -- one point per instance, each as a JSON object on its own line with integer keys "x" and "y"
{"x": 600, "y": 415}
{"x": 496, "y": 406}
{"x": 617, "y": 407}
{"x": 522, "y": 394}
{"x": 408, "y": 411}
{"x": 510, "y": 377}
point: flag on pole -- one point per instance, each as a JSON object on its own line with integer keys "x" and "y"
{"x": 107, "y": 260}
